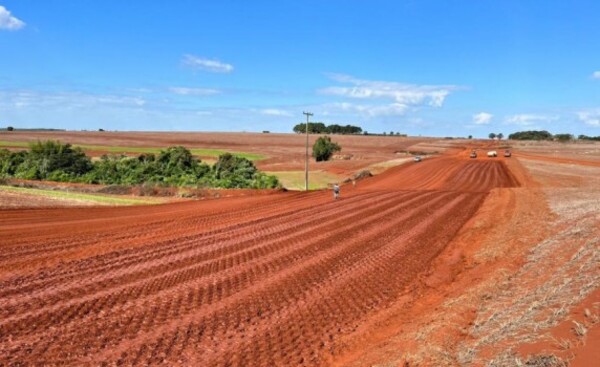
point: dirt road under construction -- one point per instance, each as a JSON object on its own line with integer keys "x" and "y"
{"x": 271, "y": 280}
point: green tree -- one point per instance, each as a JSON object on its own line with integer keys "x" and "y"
{"x": 531, "y": 135}
{"x": 470, "y": 137}
{"x": 313, "y": 128}
{"x": 492, "y": 135}
{"x": 324, "y": 148}
{"x": 10, "y": 128}
{"x": 499, "y": 136}
{"x": 52, "y": 158}
{"x": 563, "y": 138}
{"x": 585, "y": 137}
{"x": 10, "y": 162}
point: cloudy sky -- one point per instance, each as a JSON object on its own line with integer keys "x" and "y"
{"x": 435, "y": 68}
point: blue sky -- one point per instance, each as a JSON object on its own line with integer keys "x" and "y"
{"x": 432, "y": 68}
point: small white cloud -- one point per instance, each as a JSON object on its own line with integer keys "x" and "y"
{"x": 528, "y": 119}
{"x": 590, "y": 117}
{"x": 482, "y": 118}
{"x": 274, "y": 112}
{"x": 9, "y": 21}
{"x": 367, "y": 110}
{"x": 183, "y": 91}
{"x": 596, "y": 75}
{"x": 213, "y": 66}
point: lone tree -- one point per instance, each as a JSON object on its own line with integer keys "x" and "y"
{"x": 500, "y": 136}
{"x": 10, "y": 128}
{"x": 324, "y": 148}
{"x": 492, "y": 135}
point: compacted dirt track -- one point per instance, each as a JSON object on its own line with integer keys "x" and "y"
{"x": 264, "y": 281}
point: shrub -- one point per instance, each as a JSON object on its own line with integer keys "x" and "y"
{"x": 46, "y": 157}
{"x": 324, "y": 148}
{"x": 10, "y": 162}
{"x": 563, "y": 138}
{"x": 531, "y": 135}
{"x": 174, "y": 166}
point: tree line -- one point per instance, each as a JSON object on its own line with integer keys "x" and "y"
{"x": 174, "y": 166}
{"x": 321, "y": 128}
{"x": 545, "y": 135}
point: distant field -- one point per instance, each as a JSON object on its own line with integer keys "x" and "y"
{"x": 294, "y": 180}
{"x": 120, "y": 149}
{"x": 77, "y": 196}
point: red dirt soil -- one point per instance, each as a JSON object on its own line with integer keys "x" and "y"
{"x": 274, "y": 280}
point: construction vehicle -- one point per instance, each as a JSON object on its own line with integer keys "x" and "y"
{"x": 507, "y": 153}
{"x": 492, "y": 153}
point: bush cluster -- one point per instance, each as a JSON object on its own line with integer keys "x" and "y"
{"x": 585, "y": 137}
{"x": 531, "y": 135}
{"x": 545, "y": 135}
{"x": 174, "y": 166}
{"x": 324, "y": 148}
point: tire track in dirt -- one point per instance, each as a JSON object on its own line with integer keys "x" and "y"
{"x": 375, "y": 232}
{"x": 232, "y": 246}
{"x": 274, "y": 283}
{"x": 59, "y": 312}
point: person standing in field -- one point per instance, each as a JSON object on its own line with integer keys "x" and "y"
{"x": 336, "y": 191}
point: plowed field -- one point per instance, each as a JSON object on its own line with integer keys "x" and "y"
{"x": 259, "y": 281}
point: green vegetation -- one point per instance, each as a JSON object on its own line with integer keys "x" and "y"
{"x": 585, "y": 137}
{"x": 563, "y": 138}
{"x": 531, "y": 135}
{"x": 320, "y": 128}
{"x": 123, "y": 150}
{"x": 174, "y": 166}
{"x": 545, "y": 135}
{"x": 294, "y": 180}
{"x": 324, "y": 148}
{"x": 100, "y": 199}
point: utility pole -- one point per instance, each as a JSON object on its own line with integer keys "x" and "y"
{"x": 308, "y": 114}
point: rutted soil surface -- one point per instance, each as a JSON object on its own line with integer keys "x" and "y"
{"x": 272, "y": 280}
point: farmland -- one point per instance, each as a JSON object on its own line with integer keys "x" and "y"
{"x": 430, "y": 263}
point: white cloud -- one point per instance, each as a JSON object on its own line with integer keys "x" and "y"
{"x": 482, "y": 118}
{"x": 213, "y": 66}
{"x": 590, "y": 117}
{"x": 64, "y": 100}
{"x": 528, "y": 119}
{"x": 388, "y": 98}
{"x": 368, "y": 110}
{"x": 596, "y": 75}
{"x": 8, "y": 21}
{"x": 194, "y": 91}
{"x": 274, "y": 112}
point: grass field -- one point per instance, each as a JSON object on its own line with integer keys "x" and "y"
{"x": 88, "y": 198}
{"x": 294, "y": 180}
{"x": 117, "y": 149}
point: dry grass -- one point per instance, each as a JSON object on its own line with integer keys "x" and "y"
{"x": 508, "y": 358}
{"x": 517, "y": 307}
